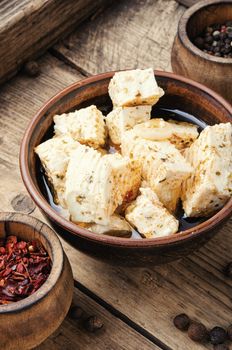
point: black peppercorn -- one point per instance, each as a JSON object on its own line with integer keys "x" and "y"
{"x": 229, "y": 332}
{"x": 93, "y": 324}
{"x": 228, "y": 270}
{"x": 199, "y": 42}
{"x": 218, "y": 335}
{"x": 31, "y": 68}
{"x": 221, "y": 347}
{"x": 223, "y": 35}
{"x": 209, "y": 39}
{"x": 76, "y": 312}
{"x": 197, "y": 332}
{"x": 181, "y": 322}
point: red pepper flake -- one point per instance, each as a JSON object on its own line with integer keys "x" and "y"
{"x": 24, "y": 267}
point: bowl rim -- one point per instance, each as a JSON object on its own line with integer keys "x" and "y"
{"x": 184, "y": 38}
{"x": 105, "y": 240}
{"x": 57, "y": 260}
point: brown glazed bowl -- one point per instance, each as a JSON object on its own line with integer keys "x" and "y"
{"x": 26, "y": 323}
{"x": 180, "y": 93}
{"x": 190, "y": 61}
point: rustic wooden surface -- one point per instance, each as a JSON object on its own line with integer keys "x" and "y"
{"x": 187, "y": 3}
{"x": 137, "y": 305}
{"x": 114, "y": 335}
{"x": 29, "y": 27}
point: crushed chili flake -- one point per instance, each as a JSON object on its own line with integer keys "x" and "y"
{"x": 24, "y": 267}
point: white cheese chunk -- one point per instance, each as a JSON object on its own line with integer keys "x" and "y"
{"x": 122, "y": 119}
{"x": 163, "y": 167}
{"x": 117, "y": 226}
{"x": 127, "y": 177}
{"x": 210, "y": 185}
{"x": 85, "y": 125}
{"x": 180, "y": 134}
{"x": 96, "y": 184}
{"x": 134, "y": 87}
{"x": 148, "y": 215}
{"x": 54, "y": 155}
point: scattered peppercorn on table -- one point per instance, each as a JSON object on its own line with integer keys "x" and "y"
{"x": 115, "y": 307}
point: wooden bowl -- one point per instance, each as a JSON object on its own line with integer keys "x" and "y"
{"x": 180, "y": 92}
{"x": 191, "y": 62}
{"x": 26, "y": 323}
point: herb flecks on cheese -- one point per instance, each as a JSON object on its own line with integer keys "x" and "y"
{"x": 180, "y": 134}
{"x": 134, "y": 88}
{"x": 96, "y": 185}
{"x": 149, "y": 216}
{"x": 122, "y": 119}
{"x": 54, "y": 155}
{"x": 85, "y": 125}
{"x": 210, "y": 185}
{"x": 117, "y": 226}
{"x": 163, "y": 167}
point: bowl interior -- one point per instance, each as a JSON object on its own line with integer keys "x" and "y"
{"x": 180, "y": 94}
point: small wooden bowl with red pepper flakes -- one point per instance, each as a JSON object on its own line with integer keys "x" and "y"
{"x": 36, "y": 283}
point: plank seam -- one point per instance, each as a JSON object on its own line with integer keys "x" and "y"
{"x": 67, "y": 61}
{"x": 121, "y": 316}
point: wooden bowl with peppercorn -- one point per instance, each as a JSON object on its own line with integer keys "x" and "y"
{"x": 36, "y": 283}
{"x": 202, "y": 48}
{"x": 184, "y": 100}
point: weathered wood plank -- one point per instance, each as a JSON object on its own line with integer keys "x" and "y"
{"x": 150, "y": 297}
{"x": 188, "y": 3}
{"x": 28, "y": 28}
{"x": 115, "y": 334}
{"x": 130, "y": 34}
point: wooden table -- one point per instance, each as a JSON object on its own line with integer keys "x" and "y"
{"x": 136, "y": 305}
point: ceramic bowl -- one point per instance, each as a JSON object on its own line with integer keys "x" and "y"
{"x": 180, "y": 93}
{"x": 26, "y": 323}
{"x": 190, "y": 61}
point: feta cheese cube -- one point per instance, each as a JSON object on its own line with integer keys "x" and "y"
{"x": 54, "y": 155}
{"x": 124, "y": 118}
{"x": 148, "y": 215}
{"x": 163, "y": 167}
{"x": 210, "y": 185}
{"x": 134, "y": 87}
{"x": 127, "y": 177}
{"x": 85, "y": 125}
{"x": 117, "y": 226}
{"x": 180, "y": 134}
{"x": 96, "y": 184}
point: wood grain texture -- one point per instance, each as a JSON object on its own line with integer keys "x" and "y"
{"x": 187, "y": 3}
{"x": 28, "y": 28}
{"x": 149, "y": 297}
{"x": 115, "y": 334}
{"x": 130, "y": 34}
